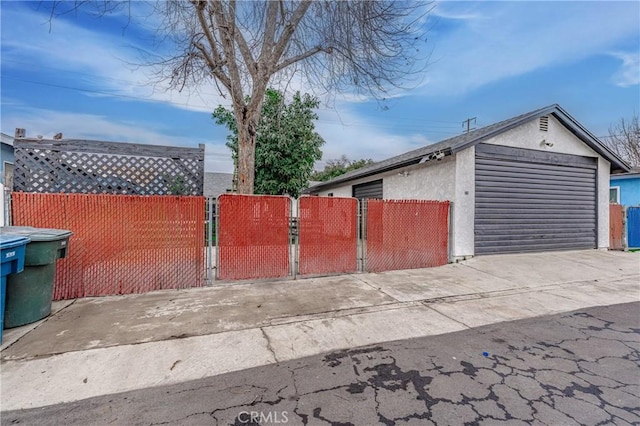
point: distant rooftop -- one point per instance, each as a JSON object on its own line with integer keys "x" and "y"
{"x": 216, "y": 183}
{"x": 4, "y": 138}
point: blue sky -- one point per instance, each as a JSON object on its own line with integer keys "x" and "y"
{"x": 490, "y": 60}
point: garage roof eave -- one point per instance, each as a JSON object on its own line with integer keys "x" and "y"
{"x": 461, "y": 142}
{"x": 617, "y": 163}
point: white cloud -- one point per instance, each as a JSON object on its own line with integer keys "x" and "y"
{"x": 106, "y": 63}
{"x": 460, "y": 14}
{"x": 347, "y": 133}
{"x": 514, "y": 38}
{"x": 629, "y": 72}
{"x": 487, "y": 42}
{"x": 88, "y": 126}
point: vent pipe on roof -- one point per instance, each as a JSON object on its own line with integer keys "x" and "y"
{"x": 20, "y": 133}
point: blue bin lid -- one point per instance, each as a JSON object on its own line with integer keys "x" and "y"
{"x": 38, "y": 234}
{"x": 9, "y": 241}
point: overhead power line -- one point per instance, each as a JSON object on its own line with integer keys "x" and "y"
{"x": 416, "y": 127}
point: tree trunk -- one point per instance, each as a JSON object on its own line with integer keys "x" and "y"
{"x": 246, "y": 154}
{"x": 247, "y": 118}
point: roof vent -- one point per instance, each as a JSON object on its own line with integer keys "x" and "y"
{"x": 544, "y": 123}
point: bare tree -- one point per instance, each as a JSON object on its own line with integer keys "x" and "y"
{"x": 366, "y": 46}
{"x": 624, "y": 139}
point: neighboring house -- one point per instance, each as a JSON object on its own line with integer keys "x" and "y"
{"x": 625, "y": 188}
{"x": 6, "y": 160}
{"x": 535, "y": 182}
{"x": 217, "y": 183}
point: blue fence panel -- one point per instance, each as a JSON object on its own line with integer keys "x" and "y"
{"x": 633, "y": 227}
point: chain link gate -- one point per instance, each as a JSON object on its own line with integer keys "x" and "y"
{"x": 253, "y": 237}
{"x": 258, "y": 237}
{"x": 406, "y": 234}
{"x": 328, "y": 235}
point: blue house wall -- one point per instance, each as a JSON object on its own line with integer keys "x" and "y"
{"x": 6, "y": 155}
{"x": 629, "y": 189}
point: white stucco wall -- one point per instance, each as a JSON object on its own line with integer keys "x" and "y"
{"x": 339, "y": 191}
{"x": 530, "y": 136}
{"x": 434, "y": 180}
{"x": 604, "y": 168}
{"x": 462, "y": 223}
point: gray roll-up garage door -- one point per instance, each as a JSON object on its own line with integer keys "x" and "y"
{"x": 368, "y": 190}
{"x": 528, "y": 201}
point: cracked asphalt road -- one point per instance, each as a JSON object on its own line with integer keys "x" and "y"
{"x": 577, "y": 368}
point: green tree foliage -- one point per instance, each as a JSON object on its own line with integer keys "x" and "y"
{"x": 177, "y": 185}
{"x": 287, "y": 145}
{"x": 337, "y": 167}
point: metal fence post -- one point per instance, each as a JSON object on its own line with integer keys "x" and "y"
{"x": 217, "y": 244}
{"x": 450, "y": 237}
{"x": 362, "y": 233}
{"x": 211, "y": 224}
{"x": 294, "y": 242}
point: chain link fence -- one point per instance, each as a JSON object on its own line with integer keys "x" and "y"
{"x": 133, "y": 244}
{"x": 253, "y": 237}
{"x": 263, "y": 237}
{"x": 328, "y": 235}
{"x": 121, "y": 244}
{"x": 406, "y": 234}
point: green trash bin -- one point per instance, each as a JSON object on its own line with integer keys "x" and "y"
{"x": 29, "y": 294}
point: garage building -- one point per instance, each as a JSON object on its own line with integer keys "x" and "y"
{"x": 535, "y": 182}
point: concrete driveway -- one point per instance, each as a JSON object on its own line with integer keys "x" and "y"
{"x": 98, "y": 346}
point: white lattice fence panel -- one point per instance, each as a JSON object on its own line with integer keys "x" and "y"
{"x": 72, "y": 166}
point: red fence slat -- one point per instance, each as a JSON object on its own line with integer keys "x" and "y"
{"x": 616, "y": 227}
{"x": 121, "y": 244}
{"x": 406, "y": 234}
{"x": 253, "y": 236}
{"x": 328, "y": 235}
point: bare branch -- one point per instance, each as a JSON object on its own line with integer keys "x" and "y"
{"x": 215, "y": 68}
{"x": 246, "y": 53}
{"x": 286, "y": 63}
{"x": 358, "y": 46}
{"x": 225, "y": 33}
{"x": 271, "y": 21}
{"x": 287, "y": 33}
{"x": 624, "y": 139}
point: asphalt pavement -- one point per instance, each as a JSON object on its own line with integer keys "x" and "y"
{"x": 108, "y": 345}
{"x": 577, "y": 368}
